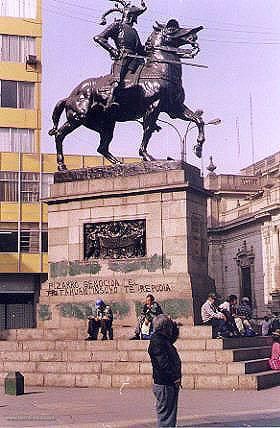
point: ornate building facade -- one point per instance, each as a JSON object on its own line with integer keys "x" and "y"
{"x": 244, "y": 233}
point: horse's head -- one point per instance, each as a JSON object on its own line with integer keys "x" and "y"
{"x": 172, "y": 35}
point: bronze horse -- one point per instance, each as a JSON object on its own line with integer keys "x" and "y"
{"x": 155, "y": 87}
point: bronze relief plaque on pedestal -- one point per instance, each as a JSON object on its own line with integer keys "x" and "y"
{"x": 115, "y": 239}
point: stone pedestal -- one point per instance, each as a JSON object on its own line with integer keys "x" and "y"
{"x": 155, "y": 214}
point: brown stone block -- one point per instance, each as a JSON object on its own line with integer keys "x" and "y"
{"x": 101, "y": 185}
{"x": 45, "y": 356}
{"x": 92, "y": 203}
{"x": 137, "y": 345}
{"x": 190, "y": 344}
{"x": 29, "y": 334}
{"x": 175, "y": 245}
{"x": 198, "y": 332}
{"x": 58, "y": 235}
{"x": 175, "y": 227}
{"x": 146, "y": 368}
{"x": 60, "y": 334}
{"x": 120, "y": 368}
{"x": 131, "y": 381}
{"x": 58, "y": 253}
{"x": 236, "y": 368}
{"x": 125, "y": 211}
{"x": 214, "y": 344}
{"x": 14, "y": 356}
{"x": 152, "y": 180}
{"x": 33, "y": 379}
{"x": 73, "y": 235}
{"x": 197, "y": 356}
{"x": 78, "y": 356}
{"x": 100, "y": 213}
{"x": 58, "y": 219}
{"x": 77, "y": 188}
{"x": 76, "y": 217}
{"x": 153, "y": 197}
{"x": 108, "y": 345}
{"x": 205, "y": 368}
{"x": 173, "y": 209}
{"x": 175, "y": 177}
{"x": 110, "y": 356}
{"x": 247, "y": 382}
{"x": 74, "y": 252}
{"x": 93, "y": 380}
{"x": 38, "y": 345}
{"x": 214, "y": 382}
{"x": 21, "y": 366}
{"x": 180, "y": 195}
{"x": 224, "y": 356}
{"x": 55, "y": 379}
{"x": 70, "y": 345}
{"x": 188, "y": 382}
{"x": 126, "y": 183}
{"x": 83, "y": 367}
{"x": 140, "y": 356}
{"x": 51, "y": 367}
{"x": 10, "y": 346}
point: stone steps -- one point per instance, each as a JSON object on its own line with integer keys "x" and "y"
{"x": 253, "y": 353}
{"x": 246, "y": 342}
{"x": 131, "y": 380}
{"x": 48, "y": 358}
{"x": 80, "y": 333}
{"x": 267, "y": 380}
{"x": 256, "y": 366}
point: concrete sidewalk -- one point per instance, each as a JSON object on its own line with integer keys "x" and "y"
{"x": 100, "y": 408}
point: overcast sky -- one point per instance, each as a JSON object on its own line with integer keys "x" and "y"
{"x": 240, "y": 45}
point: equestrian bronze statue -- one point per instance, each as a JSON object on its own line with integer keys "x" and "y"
{"x": 144, "y": 82}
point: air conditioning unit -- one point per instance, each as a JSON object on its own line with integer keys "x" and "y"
{"x": 31, "y": 60}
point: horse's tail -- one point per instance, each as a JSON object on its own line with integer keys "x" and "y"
{"x": 60, "y": 106}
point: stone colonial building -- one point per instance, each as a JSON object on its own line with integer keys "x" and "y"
{"x": 244, "y": 233}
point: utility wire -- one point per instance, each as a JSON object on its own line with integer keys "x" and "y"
{"x": 242, "y": 42}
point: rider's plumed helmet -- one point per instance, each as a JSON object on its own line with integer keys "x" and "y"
{"x": 129, "y": 12}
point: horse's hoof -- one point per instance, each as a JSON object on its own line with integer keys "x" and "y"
{"x": 52, "y": 132}
{"x": 62, "y": 167}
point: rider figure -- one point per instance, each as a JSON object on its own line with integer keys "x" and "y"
{"x": 126, "y": 39}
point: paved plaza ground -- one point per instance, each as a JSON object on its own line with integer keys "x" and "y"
{"x": 134, "y": 408}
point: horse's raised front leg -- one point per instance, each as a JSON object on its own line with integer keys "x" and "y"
{"x": 61, "y": 133}
{"x": 149, "y": 126}
{"x": 195, "y": 117}
{"x": 106, "y": 136}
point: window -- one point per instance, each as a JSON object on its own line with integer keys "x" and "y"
{"x": 44, "y": 242}
{"x": 18, "y": 8}
{"x": 29, "y": 241}
{"x": 30, "y": 187}
{"x": 16, "y": 48}
{"x": 16, "y": 94}
{"x": 47, "y": 179}
{"x": 17, "y": 140}
{"x": 8, "y": 186}
{"x": 8, "y": 241}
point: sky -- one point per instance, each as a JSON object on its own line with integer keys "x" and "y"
{"x": 240, "y": 45}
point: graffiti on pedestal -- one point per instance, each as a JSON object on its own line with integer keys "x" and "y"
{"x": 97, "y": 287}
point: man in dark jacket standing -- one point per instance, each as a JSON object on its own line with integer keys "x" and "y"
{"x": 166, "y": 370}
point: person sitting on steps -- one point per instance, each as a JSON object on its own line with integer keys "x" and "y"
{"x": 229, "y": 308}
{"x": 274, "y": 361}
{"x": 151, "y": 309}
{"x": 212, "y": 316}
{"x": 243, "y": 318}
{"x": 102, "y": 318}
